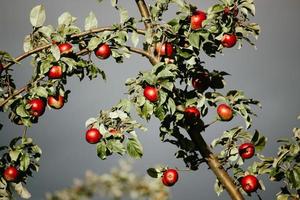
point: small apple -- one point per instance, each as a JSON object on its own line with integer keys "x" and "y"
{"x": 228, "y": 40}
{"x": 55, "y": 72}
{"x": 93, "y": 136}
{"x": 192, "y": 114}
{"x": 196, "y": 20}
{"x": 103, "y": 51}
{"x": 151, "y": 93}
{"x": 170, "y": 177}
{"x": 37, "y": 107}
{"x": 249, "y": 183}
{"x": 11, "y": 174}
{"x": 201, "y": 82}
{"x": 225, "y": 112}
{"x": 226, "y": 10}
{"x": 65, "y": 48}
{"x": 56, "y": 102}
{"x": 247, "y": 150}
{"x": 165, "y": 49}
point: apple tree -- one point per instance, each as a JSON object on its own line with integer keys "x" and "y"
{"x": 178, "y": 89}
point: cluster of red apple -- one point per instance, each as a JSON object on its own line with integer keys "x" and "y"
{"x": 37, "y": 105}
{"x": 249, "y": 183}
{"x": 228, "y": 40}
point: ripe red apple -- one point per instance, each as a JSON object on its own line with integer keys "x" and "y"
{"x": 192, "y": 114}
{"x": 151, "y": 93}
{"x": 201, "y": 82}
{"x": 93, "y": 136}
{"x": 55, "y": 72}
{"x": 247, "y": 150}
{"x": 226, "y": 10}
{"x": 11, "y": 174}
{"x": 228, "y": 40}
{"x": 170, "y": 177}
{"x": 249, "y": 183}
{"x": 165, "y": 49}
{"x": 103, "y": 51}
{"x": 56, "y": 102}
{"x": 65, "y": 48}
{"x": 37, "y": 107}
{"x": 196, "y": 19}
{"x": 225, "y": 112}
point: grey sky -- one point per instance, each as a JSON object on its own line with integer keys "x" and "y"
{"x": 269, "y": 74}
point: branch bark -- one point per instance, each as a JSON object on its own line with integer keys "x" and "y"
{"x": 144, "y": 13}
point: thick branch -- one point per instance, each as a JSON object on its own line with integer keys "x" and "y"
{"x": 144, "y": 12}
{"x": 214, "y": 164}
{"x": 153, "y": 60}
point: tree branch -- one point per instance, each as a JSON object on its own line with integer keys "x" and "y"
{"x": 153, "y": 60}
{"x": 144, "y": 13}
{"x": 214, "y": 164}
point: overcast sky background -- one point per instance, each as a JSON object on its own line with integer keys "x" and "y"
{"x": 269, "y": 74}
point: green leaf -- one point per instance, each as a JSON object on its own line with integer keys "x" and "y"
{"x": 123, "y": 15}
{"x": 135, "y": 38}
{"x": 93, "y": 43}
{"x": 21, "y": 111}
{"x": 21, "y": 190}
{"x": 38, "y": 16}
{"x": 194, "y": 39}
{"x": 24, "y": 162}
{"x": 41, "y": 91}
{"x": 218, "y": 187}
{"x": 171, "y": 105}
{"x": 90, "y": 22}
{"x": 116, "y": 146}
{"x": 101, "y": 150}
{"x": 147, "y": 109}
{"x": 152, "y": 172}
{"x": 14, "y": 154}
{"x": 90, "y": 121}
{"x": 134, "y": 148}
{"x": 55, "y": 52}
{"x": 66, "y": 19}
{"x": 27, "y": 45}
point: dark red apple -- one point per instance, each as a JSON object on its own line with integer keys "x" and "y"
{"x": 11, "y": 174}
{"x": 247, "y": 150}
{"x": 103, "y": 51}
{"x": 65, "y": 48}
{"x": 249, "y": 183}
{"x": 165, "y": 49}
{"x": 151, "y": 93}
{"x": 55, "y": 72}
{"x": 225, "y": 112}
{"x": 201, "y": 82}
{"x": 56, "y": 102}
{"x": 196, "y": 19}
{"x": 192, "y": 114}
{"x": 170, "y": 177}
{"x": 37, "y": 107}
{"x": 228, "y": 40}
{"x": 93, "y": 136}
{"x": 226, "y": 10}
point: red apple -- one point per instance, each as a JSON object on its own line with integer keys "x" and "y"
{"x": 56, "y": 102}
{"x": 55, "y": 72}
{"x": 11, "y": 174}
{"x": 170, "y": 177}
{"x": 249, "y": 183}
{"x": 151, "y": 93}
{"x": 93, "y": 136}
{"x": 192, "y": 114}
{"x": 37, "y": 107}
{"x": 201, "y": 82}
{"x": 65, "y": 48}
{"x": 226, "y": 10}
{"x": 196, "y": 20}
{"x": 103, "y": 51}
{"x": 225, "y": 112}
{"x": 228, "y": 40}
{"x": 165, "y": 49}
{"x": 247, "y": 150}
